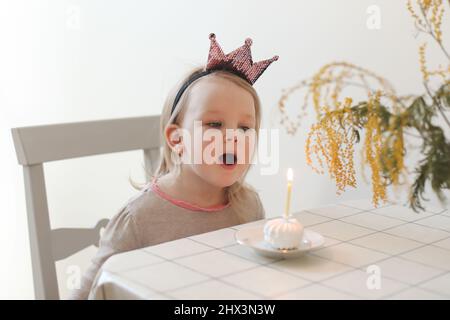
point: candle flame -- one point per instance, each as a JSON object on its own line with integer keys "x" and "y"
{"x": 290, "y": 175}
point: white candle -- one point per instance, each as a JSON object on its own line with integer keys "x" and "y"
{"x": 290, "y": 177}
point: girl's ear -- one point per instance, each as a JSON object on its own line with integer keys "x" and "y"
{"x": 173, "y": 136}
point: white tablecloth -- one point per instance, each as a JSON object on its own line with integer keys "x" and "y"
{"x": 385, "y": 253}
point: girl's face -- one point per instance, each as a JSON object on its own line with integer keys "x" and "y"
{"x": 225, "y": 113}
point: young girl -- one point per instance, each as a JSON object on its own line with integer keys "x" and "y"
{"x": 186, "y": 197}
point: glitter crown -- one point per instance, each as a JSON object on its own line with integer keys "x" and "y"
{"x": 239, "y": 61}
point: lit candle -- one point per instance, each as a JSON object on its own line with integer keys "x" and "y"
{"x": 290, "y": 177}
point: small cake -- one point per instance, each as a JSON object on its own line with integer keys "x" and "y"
{"x": 283, "y": 233}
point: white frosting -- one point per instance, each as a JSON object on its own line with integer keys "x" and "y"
{"x": 282, "y": 233}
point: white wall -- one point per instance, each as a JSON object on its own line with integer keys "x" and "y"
{"x": 64, "y": 61}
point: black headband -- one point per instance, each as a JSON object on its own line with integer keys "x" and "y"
{"x": 197, "y": 76}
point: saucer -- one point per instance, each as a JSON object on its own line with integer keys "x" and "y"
{"x": 253, "y": 237}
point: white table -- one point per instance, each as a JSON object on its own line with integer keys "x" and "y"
{"x": 410, "y": 252}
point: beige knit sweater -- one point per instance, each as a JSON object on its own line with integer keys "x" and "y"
{"x": 152, "y": 217}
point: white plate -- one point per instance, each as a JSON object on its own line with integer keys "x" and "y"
{"x": 253, "y": 237}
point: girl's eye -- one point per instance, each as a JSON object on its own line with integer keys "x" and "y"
{"x": 217, "y": 124}
{"x": 214, "y": 124}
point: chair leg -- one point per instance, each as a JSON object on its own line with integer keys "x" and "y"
{"x": 44, "y": 270}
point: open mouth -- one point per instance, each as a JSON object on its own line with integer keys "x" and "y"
{"x": 228, "y": 159}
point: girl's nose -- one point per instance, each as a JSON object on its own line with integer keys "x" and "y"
{"x": 231, "y": 136}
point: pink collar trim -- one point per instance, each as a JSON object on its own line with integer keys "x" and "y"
{"x": 184, "y": 204}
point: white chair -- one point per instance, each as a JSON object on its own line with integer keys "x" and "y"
{"x": 37, "y": 145}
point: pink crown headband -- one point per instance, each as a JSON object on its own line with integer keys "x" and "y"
{"x": 238, "y": 62}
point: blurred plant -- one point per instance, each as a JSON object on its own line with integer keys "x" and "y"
{"x": 386, "y": 118}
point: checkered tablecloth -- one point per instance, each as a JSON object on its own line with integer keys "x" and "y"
{"x": 388, "y": 252}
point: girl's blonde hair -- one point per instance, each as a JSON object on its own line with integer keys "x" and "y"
{"x": 238, "y": 192}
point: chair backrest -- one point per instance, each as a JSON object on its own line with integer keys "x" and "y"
{"x": 39, "y": 144}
